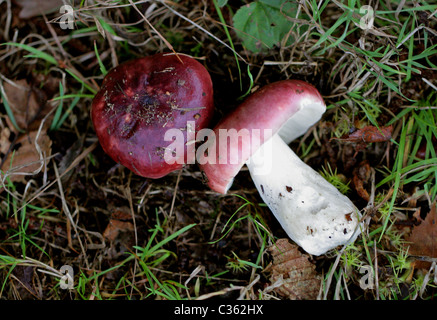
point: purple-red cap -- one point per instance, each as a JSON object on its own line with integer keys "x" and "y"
{"x": 288, "y": 108}
{"x": 143, "y": 98}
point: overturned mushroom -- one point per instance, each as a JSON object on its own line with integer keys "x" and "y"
{"x": 312, "y": 211}
{"x": 140, "y": 100}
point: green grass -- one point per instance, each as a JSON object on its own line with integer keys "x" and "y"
{"x": 8, "y": 109}
{"x": 418, "y": 131}
{"x": 335, "y": 179}
{"x": 35, "y": 53}
{"x": 382, "y": 63}
{"x": 149, "y": 258}
{"x": 60, "y": 117}
{"x": 251, "y": 215}
{"x": 391, "y": 62}
{"x": 362, "y": 72}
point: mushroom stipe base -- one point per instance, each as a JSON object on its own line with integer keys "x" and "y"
{"x": 312, "y": 211}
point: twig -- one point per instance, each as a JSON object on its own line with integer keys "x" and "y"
{"x": 68, "y": 214}
{"x": 376, "y": 280}
{"x": 174, "y": 193}
{"x": 128, "y": 194}
{"x": 157, "y": 32}
{"x": 72, "y": 165}
{"x": 203, "y": 29}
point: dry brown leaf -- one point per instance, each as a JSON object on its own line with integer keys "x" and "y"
{"x": 119, "y": 222}
{"x": 361, "y": 176}
{"x": 34, "y": 8}
{"x": 22, "y": 101}
{"x": 26, "y": 103}
{"x": 423, "y": 239}
{"x": 290, "y": 266}
{"x": 25, "y": 157}
{"x": 369, "y": 134}
{"x": 18, "y": 151}
{"x": 5, "y": 141}
{"x": 120, "y": 233}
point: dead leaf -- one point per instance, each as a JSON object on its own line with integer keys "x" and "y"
{"x": 46, "y": 82}
{"x": 34, "y": 8}
{"x": 6, "y": 137}
{"x": 119, "y": 222}
{"x": 24, "y": 156}
{"x": 100, "y": 27}
{"x": 369, "y": 134}
{"x": 24, "y": 283}
{"x": 360, "y": 178}
{"x": 71, "y": 154}
{"x": 295, "y": 271}
{"x": 20, "y": 153}
{"x": 26, "y": 104}
{"x": 423, "y": 239}
{"x": 120, "y": 234}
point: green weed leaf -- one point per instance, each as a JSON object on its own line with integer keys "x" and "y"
{"x": 264, "y": 23}
{"x": 222, "y": 3}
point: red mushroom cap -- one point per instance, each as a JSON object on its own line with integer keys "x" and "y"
{"x": 271, "y": 107}
{"x": 143, "y": 98}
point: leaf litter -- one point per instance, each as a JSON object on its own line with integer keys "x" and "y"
{"x": 24, "y": 140}
{"x": 422, "y": 241}
{"x": 102, "y": 198}
{"x": 293, "y": 276}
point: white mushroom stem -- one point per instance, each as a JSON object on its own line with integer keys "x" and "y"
{"x": 313, "y": 212}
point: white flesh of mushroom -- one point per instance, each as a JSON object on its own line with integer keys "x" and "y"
{"x": 313, "y": 212}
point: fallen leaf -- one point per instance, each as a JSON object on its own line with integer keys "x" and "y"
{"x": 26, "y": 104}
{"x": 299, "y": 279}
{"x": 6, "y": 137}
{"x": 34, "y": 8}
{"x": 21, "y": 153}
{"x": 118, "y": 223}
{"x": 423, "y": 239}
{"x": 120, "y": 234}
{"x": 369, "y": 134}
{"x": 24, "y": 157}
{"x": 70, "y": 155}
{"x": 360, "y": 178}
{"x": 24, "y": 284}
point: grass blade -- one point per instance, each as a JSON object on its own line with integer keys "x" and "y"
{"x": 36, "y": 53}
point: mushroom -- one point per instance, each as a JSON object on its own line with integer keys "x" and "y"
{"x": 142, "y": 99}
{"x": 312, "y": 212}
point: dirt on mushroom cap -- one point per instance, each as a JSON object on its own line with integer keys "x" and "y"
{"x": 143, "y": 98}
